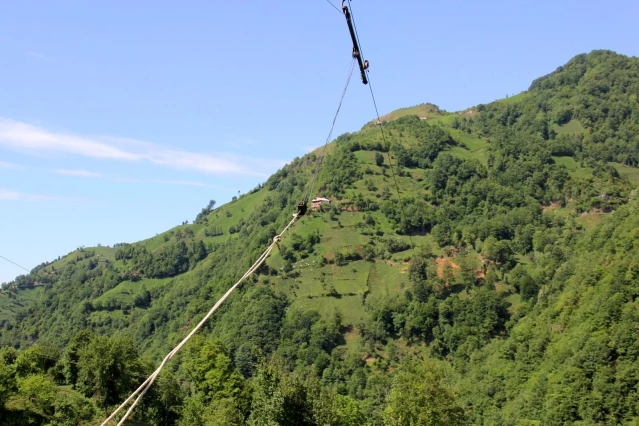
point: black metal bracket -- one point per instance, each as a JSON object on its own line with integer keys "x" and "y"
{"x": 301, "y": 208}
{"x": 363, "y": 65}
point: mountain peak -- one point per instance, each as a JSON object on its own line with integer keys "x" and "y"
{"x": 424, "y": 111}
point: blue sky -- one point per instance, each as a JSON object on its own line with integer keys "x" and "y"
{"x": 119, "y": 120}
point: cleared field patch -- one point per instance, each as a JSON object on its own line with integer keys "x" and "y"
{"x": 98, "y": 319}
{"x": 632, "y": 173}
{"x": 127, "y": 290}
{"x": 350, "y": 307}
{"x": 590, "y": 220}
{"x": 353, "y": 340}
{"x": 574, "y": 169}
{"x": 343, "y": 237}
{"x": 475, "y": 148}
{"x": 462, "y": 153}
{"x": 513, "y": 99}
{"x": 367, "y": 157}
{"x": 572, "y": 127}
{"x": 351, "y": 278}
{"x": 424, "y": 111}
{"x": 302, "y": 287}
{"x": 387, "y": 279}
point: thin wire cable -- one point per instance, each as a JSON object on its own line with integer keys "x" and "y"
{"x": 144, "y": 387}
{"x": 10, "y": 261}
{"x": 330, "y": 134}
{"x": 381, "y": 127}
{"x": 361, "y": 51}
{"x": 334, "y": 7}
{"x": 390, "y": 162}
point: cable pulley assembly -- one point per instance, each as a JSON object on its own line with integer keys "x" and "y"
{"x": 363, "y": 65}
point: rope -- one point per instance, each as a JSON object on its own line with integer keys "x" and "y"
{"x": 381, "y": 128}
{"x": 334, "y": 7}
{"x": 390, "y": 161}
{"x": 10, "y": 261}
{"x": 144, "y": 387}
{"x": 330, "y": 133}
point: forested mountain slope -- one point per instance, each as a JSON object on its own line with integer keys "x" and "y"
{"x": 517, "y": 306}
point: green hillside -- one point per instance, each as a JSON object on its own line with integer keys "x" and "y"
{"x": 516, "y": 305}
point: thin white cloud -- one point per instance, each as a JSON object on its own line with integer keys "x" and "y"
{"x": 159, "y": 182}
{"x": 10, "y": 195}
{"x": 5, "y": 194}
{"x": 248, "y": 141}
{"x": 5, "y": 165}
{"x": 86, "y": 173}
{"x": 178, "y": 182}
{"x": 81, "y": 173}
{"x": 242, "y": 142}
{"x": 33, "y": 140}
{"x": 126, "y": 180}
{"x": 27, "y": 138}
{"x": 37, "y": 55}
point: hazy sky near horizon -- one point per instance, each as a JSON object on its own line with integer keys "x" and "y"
{"x": 119, "y": 120}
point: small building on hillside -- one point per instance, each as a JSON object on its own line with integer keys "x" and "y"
{"x": 317, "y": 202}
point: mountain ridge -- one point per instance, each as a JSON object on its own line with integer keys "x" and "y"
{"x": 500, "y": 200}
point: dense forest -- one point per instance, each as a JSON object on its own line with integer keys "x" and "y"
{"x": 503, "y": 290}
